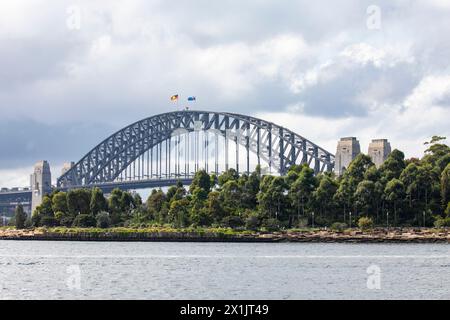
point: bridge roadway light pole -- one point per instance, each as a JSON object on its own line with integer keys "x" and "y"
{"x": 424, "y": 221}
{"x": 387, "y": 219}
{"x": 350, "y": 219}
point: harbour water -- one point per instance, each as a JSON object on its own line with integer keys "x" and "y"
{"x": 130, "y": 270}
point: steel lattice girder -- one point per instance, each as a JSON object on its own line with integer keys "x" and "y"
{"x": 278, "y": 146}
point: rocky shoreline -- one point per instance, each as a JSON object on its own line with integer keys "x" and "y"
{"x": 404, "y": 235}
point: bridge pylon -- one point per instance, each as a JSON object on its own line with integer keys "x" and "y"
{"x": 41, "y": 183}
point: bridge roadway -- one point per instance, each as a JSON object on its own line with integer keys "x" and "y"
{"x": 107, "y": 187}
{"x": 10, "y": 199}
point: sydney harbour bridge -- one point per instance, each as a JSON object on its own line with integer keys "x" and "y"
{"x": 160, "y": 150}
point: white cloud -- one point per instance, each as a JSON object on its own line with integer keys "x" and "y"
{"x": 19, "y": 177}
{"x": 363, "y": 53}
{"x": 430, "y": 90}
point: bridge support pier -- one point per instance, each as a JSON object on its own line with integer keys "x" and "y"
{"x": 41, "y": 183}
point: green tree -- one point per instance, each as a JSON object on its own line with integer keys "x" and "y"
{"x": 426, "y": 184}
{"x": 98, "y": 202}
{"x": 214, "y": 206}
{"x": 45, "y": 209}
{"x": 265, "y": 204}
{"x": 155, "y": 202}
{"x": 301, "y": 190}
{"x": 201, "y": 180}
{"x": 394, "y": 193}
{"x": 436, "y": 150}
{"x": 137, "y": 200}
{"x": 355, "y": 173}
{"x": 230, "y": 196}
{"x": 410, "y": 179}
{"x": 48, "y": 221}
{"x": 324, "y": 195}
{"x": 20, "y": 217}
{"x": 230, "y": 174}
{"x": 179, "y": 213}
{"x": 59, "y": 202}
{"x": 78, "y": 201}
{"x": 364, "y": 196}
{"x": 199, "y": 215}
{"x": 393, "y": 166}
{"x": 115, "y": 206}
{"x": 121, "y": 205}
{"x": 84, "y": 221}
{"x": 445, "y": 185}
{"x": 103, "y": 220}
{"x": 250, "y": 188}
{"x": 274, "y": 200}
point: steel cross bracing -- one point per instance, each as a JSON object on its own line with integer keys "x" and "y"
{"x": 144, "y": 150}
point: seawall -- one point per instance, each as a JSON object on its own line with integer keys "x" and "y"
{"x": 320, "y": 236}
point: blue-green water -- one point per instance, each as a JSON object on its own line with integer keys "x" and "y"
{"x": 112, "y": 270}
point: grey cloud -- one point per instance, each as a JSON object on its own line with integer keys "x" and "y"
{"x": 336, "y": 98}
{"x": 25, "y": 141}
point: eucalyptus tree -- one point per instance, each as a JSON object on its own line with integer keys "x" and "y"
{"x": 301, "y": 190}
{"x": 394, "y": 194}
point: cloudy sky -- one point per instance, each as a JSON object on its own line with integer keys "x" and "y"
{"x": 73, "y": 72}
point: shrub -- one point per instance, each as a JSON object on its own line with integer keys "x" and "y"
{"x": 35, "y": 219}
{"x": 232, "y": 222}
{"x": 271, "y": 224}
{"x": 365, "y": 223}
{"x": 84, "y": 221}
{"x": 28, "y": 223}
{"x": 338, "y": 226}
{"x": 48, "y": 221}
{"x": 252, "y": 223}
{"x": 66, "y": 221}
{"x": 103, "y": 220}
{"x": 59, "y": 215}
{"x": 302, "y": 222}
{"x": 20, "y": 217}
{"x": 442, "y": 222}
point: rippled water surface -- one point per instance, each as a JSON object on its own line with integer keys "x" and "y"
{"x": 112, "y": 270}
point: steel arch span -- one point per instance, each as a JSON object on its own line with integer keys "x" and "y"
{"x": 159, "y": 142}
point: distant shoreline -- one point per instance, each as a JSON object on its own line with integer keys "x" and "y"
{"x": 400, "y": 235}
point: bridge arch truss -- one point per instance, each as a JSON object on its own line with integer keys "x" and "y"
{"x": 177, "y": 144}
